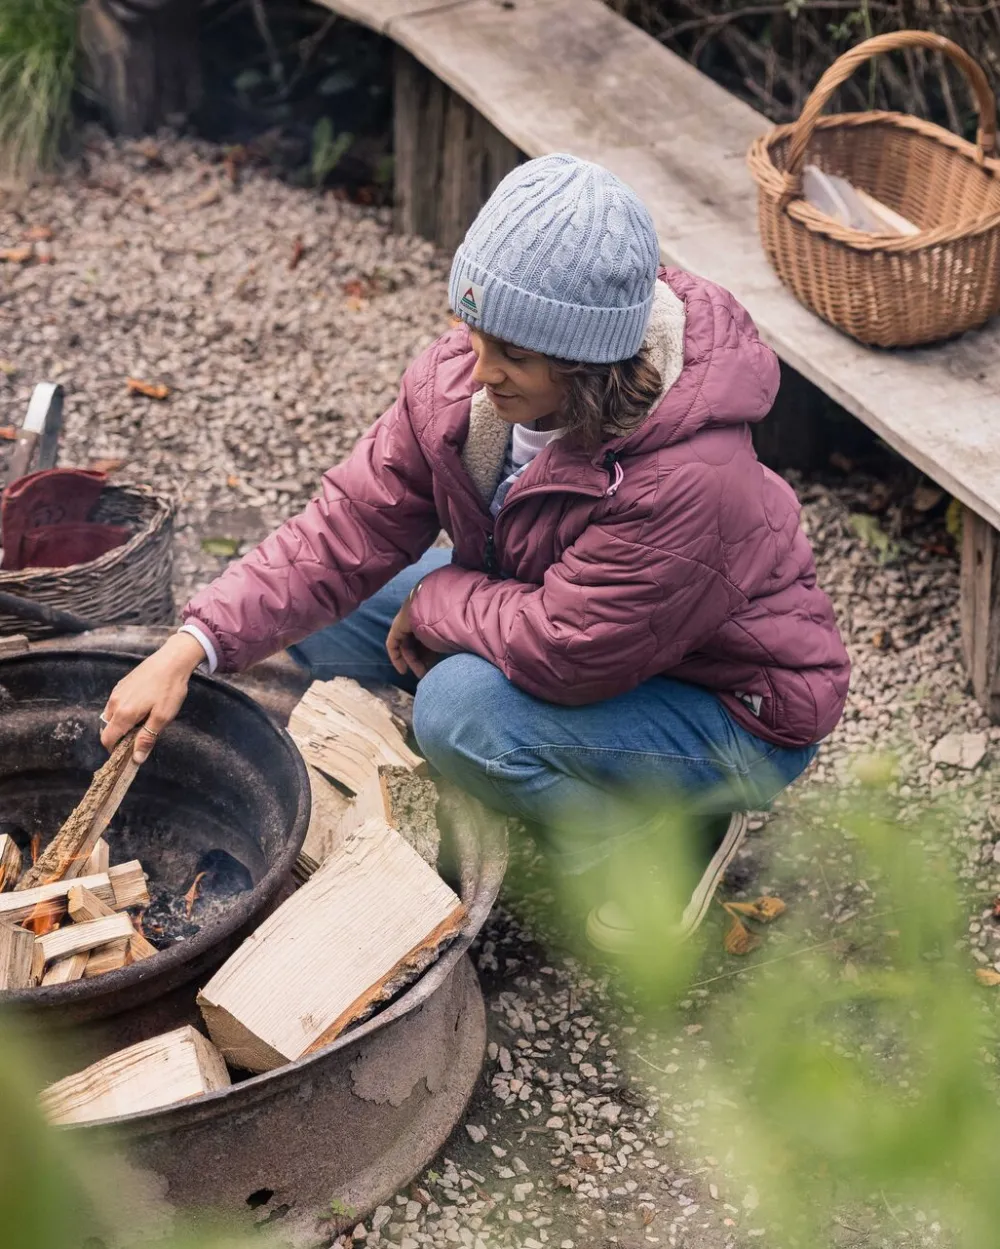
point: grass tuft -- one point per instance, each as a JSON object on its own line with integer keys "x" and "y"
{"x": 37, "y": 73}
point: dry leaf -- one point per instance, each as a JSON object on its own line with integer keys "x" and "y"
{"x": 996, "y": 907}
{"x": 769, "y": 908}
{"x": 882, "y": 639}
{"x": 208, "y": 197}
{"x": 298, "y": 251}
{"x": 7, "y": 368}
{"x": 739, "y": 939}
{"x": 232, "y": 481}
{"x": 8, "y": 433}
{"x": 763, "y": 910}
{"x": 988, "y": 977}
{"x": 648, "y": 1215}
{"x": 191, "y": 897}
{"x": 107, "y": 466}
{"x": 926, "y": 497}
{"x": 152, "y": 390}
{"x": 17, "y": 255}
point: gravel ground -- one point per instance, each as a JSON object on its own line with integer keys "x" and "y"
{"x": 281, "y": 321}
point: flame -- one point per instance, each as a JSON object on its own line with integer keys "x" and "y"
{"x": 36, "y": 847}
{"x": 44, "y": 918}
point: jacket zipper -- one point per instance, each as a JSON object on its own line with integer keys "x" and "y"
{"x": 490, "y": 561}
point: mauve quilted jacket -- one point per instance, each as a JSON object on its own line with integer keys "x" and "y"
{"x": 694, "y": 566}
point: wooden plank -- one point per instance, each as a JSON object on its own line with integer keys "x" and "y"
{"x": 121, "y": 886}
{"x": 614, "y": 95}
{"x": 369, "y": 920}
{"x": 79, "y": 937}
{"x": 10, "y": 862}
{"x": 158, "y": 1072}
{"x": 346, "y": 732}
{"x": 17, "y": 970}
{"x": 67, "y": 852}
{"x": 14, "y": 644}
{"x": 980, "y": 609}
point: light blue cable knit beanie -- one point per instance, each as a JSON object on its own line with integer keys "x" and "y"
{"x": 562, "y": 259}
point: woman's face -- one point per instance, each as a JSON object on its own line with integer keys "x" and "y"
{"x": 520, "y": 383}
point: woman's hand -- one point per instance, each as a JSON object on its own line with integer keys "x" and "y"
{"x": 152, "y": 694}
{"x": 406, "y": 651}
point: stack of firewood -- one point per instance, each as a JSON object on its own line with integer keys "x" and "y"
{"x": 66, "y": 916}
{"x": 369, "y": 919}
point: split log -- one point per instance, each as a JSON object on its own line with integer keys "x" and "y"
{"x": 69, "y": 850}
{"x": 79, "y": 937}
{"x": 16, "y": 958}
{"x": 369, "y": 921}
{"x": 120, "y": 887}
{"x": 327, "y": 812}
{"x": 348, "y": 733}
{"x": 100, "y": 859}
{"x": 65, "y": 970}
{"x": 158, "y": 1072}
{"x": 110, "y": 957}
{"x": 10, "y": 862}
{"x": 83, "y": 906}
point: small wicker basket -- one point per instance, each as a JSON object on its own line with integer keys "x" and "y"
{"x": 887, "y": 290}
{"x": 129, "y": 585}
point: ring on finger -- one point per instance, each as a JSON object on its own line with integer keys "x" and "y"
{"x": 149, "y": 732}
{"x": 103, "y": 720}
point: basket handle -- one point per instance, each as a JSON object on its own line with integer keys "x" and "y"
{"x": 844, "y": 66}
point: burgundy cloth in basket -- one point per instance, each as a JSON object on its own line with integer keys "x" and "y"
{"x": 44, "y": 520}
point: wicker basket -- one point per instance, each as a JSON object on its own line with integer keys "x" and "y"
{"x": 129, "y": 585}
{"x": 887, "y": 290}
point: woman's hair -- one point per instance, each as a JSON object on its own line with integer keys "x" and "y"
{"x": 607, "y": 400}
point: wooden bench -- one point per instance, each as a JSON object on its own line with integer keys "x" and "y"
{"x": 479, "y": 82}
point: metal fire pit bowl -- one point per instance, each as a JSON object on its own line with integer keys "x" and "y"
{"x": 223, "y": 776}
{"x": 306, "y": 1151}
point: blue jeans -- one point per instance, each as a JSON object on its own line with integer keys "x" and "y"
{"x": 567, "y": 769}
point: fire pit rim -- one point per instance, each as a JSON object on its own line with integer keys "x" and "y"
{"x": 242, "y": 909}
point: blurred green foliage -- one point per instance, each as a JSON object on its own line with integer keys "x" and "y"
{"x": 37, "y": 72}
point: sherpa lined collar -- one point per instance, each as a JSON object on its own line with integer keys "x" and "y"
{"x": 486, "y": 443}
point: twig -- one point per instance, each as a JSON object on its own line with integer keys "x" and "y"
{"x": 264, "y": 30}
{"x": 661, "y": 1070}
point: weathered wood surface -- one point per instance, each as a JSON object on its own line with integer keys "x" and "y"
{"x": 369, "y": 920}
{"x": 980, "y": 609}
{"x": 141, "y": 61}
{"x": 448, "y": 157}
{"x": 157, "y": 1072}
{"x": 614, "y": 95}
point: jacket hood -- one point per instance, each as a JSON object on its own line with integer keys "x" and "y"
{"x": 715, "y": 369}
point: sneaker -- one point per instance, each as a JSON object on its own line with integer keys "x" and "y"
{"x": 609, "y": 928}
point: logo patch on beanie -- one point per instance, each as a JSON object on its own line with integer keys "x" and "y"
{"x": 471, "y": 301}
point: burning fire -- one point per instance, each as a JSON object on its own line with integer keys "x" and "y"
{"x": 44, "y": 918}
